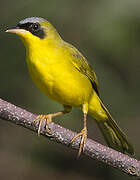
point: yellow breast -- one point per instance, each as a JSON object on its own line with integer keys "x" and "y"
{"x": 53, "y": 73}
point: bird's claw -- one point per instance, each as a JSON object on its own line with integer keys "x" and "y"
{"x": 41, "y": 119}
{"x": 83, "y": 134}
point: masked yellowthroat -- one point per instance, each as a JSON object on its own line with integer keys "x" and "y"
{"x": 62, "y": 73}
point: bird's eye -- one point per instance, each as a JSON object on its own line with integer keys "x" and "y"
{"x": 34, "y": 26}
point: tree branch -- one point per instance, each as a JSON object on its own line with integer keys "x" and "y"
{"x": 62, "y": 135}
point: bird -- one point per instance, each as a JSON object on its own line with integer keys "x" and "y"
{"x": 62, "y": 73}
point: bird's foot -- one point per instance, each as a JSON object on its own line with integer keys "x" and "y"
{"x": 83, "y": 134}
{"x": 43, "y": 119}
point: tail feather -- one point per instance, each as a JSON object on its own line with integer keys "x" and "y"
{"x": 112, "y": 133}
{"x": 116, "y": 138}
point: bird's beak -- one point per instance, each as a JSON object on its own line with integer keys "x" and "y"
{"x": 16, "y": 31}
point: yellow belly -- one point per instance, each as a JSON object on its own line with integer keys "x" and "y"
{"x": 61, "y": 81}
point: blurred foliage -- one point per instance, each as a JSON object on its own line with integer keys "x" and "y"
{"x": 107, "y": 33}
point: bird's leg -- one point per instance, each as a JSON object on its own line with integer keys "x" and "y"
{"x": 83, "y": 132}
{"x": 48, "y": 118}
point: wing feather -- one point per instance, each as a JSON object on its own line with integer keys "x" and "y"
{"x": 82, "y": 65}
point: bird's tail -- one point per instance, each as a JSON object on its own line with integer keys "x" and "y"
{"x": 112, "y": 133}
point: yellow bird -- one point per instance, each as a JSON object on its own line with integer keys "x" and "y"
{"x": 63, "y": 74}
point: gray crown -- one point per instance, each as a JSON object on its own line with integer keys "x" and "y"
{"x": 31, "y": 20}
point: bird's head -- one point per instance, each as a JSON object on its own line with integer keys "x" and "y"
{"x": 35, "y": 30}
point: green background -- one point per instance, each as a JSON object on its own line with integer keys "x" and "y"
{"x": 108, "y": 35}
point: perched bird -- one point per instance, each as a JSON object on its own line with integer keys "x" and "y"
{"x": 63, "y": 74}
